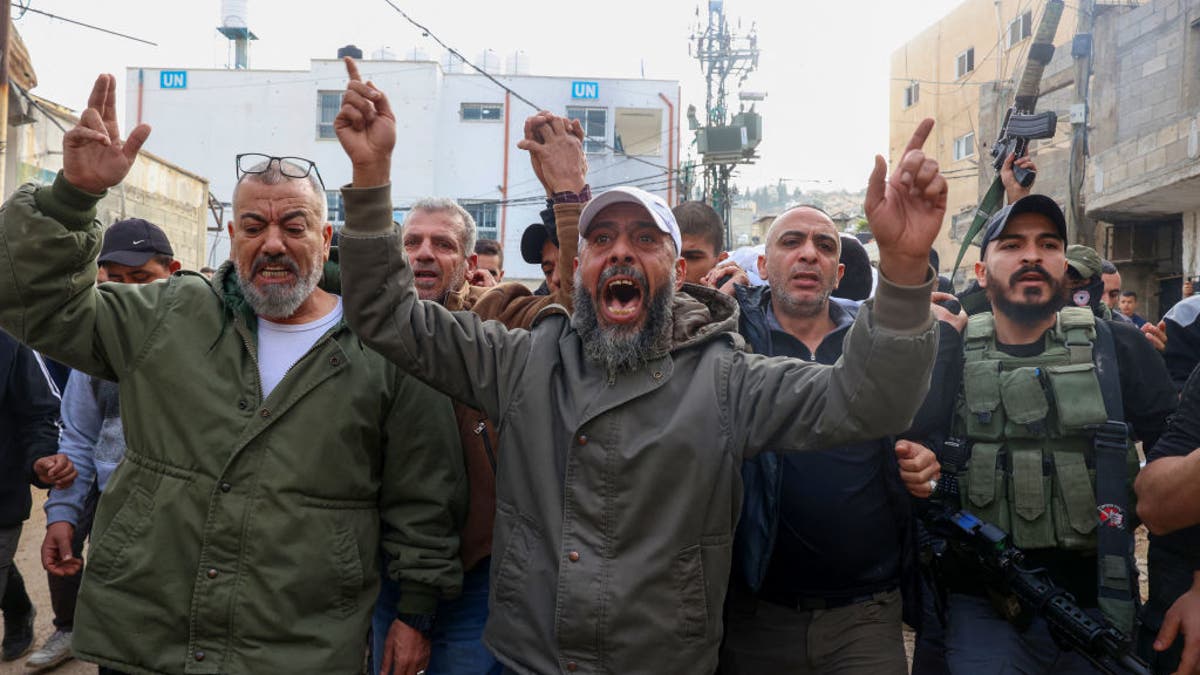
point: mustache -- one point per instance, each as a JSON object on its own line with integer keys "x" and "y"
{"x": 623, "y": 271}
{"x": 279, "y": 259}
{"x": 1029, "y": 269}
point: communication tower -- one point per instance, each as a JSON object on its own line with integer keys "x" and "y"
{"x": 727, "y": 58}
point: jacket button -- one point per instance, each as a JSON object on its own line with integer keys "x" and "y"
{"x": 212, "y": 573}
{"x": 573, "y": 556}
{"x": 265, "y": 413}
{"x": 226, "y": 487}
{"x": 242, "y": 405}
{"x": 572, "y": 666}
{"x": 335, "y": 361}
{"x": 658, "y": 375}
{"x": 582, "y": 439}
{"x": 199, "y": 656}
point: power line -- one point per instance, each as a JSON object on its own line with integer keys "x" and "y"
{"x": 26, "y": 8}
{"x": 430, "y": 34}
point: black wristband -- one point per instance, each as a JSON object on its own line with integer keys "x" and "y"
{"x": 422, "y": 623}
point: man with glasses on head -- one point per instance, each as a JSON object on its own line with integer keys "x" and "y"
{"x": 265, "y": 443}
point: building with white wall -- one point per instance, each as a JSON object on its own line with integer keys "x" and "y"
{"x": 456, "y": 132}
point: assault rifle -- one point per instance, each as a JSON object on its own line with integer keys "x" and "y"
{"x": 1020, "y": 123}
{"x": 1030, "y": 592}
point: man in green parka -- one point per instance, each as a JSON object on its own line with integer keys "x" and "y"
{"x": 266, "y": 444}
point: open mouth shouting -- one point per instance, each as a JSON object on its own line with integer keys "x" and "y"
{"x": 806, "y": 280}
{"x": 426, "y": 278}
{"x": 622, "y": 295}
{"x": 275, "y": 270}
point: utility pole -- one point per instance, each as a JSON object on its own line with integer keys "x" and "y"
{"x": 722, "y": 144}
{"x": 1079, "y": 228}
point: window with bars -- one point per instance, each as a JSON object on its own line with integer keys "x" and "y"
{"x": 482, "y": 112}
{"x": 965, "y": 63}
{"x": 595, "y": 127}
{"x": 328, "y": 105}
{"x": 484, "y": 213}
{"x": 337, "y": 209}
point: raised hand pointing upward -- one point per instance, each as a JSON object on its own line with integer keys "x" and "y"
{"x": 366, "y": 128}
{"x": 905, "y": 211}
{"x": 94, "y": 156}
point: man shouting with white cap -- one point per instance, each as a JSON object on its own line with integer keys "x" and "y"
{"x": 624, "y": 426}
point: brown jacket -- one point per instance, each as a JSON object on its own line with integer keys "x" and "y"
{"x": 514, "y": 305}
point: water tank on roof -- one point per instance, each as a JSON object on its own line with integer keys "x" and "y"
{"x": 517, "y": 63}
{"x": 416, "y": 54}
{"x": 383, "y": 54}
{"x": 451, "y": 63}
{"x": 489, "y": 61}
{"x": 351, "y": 51}
{"x": 233, "y": 14}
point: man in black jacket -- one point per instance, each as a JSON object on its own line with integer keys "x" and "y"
{"x": 825, "y": 535}
{"x": 28, "y": 447}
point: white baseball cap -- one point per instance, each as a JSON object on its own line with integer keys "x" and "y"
{"x": 659, "y": 211}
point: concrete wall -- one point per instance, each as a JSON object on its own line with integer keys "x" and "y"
{"x": 225, "y": 112}
{"x": 929, "y": 59}
{"x": 156, "y": 190}
{"x": 1144, "y": 168}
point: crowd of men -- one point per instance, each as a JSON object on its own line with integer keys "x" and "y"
{"x": 380, "y": 451}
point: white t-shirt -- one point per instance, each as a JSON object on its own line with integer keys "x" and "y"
{"x": 280, "y": 345}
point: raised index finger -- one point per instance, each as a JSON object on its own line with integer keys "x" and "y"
{"x": 918, "y": 138}
{"x": 352, "y": 69}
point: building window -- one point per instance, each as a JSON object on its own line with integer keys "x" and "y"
{"x": 482, "y": 112}
{"x": 484, "y": 213}
{"x": 595, "y": 127}
{"x": 960, "y": 223}
{"x": 912, "y": 94}
{"x": 965, "y": 63}
{"x": 328, "y": 105}
{"x": 333, "y": 202}
{"x": 1020, "y": 28}
{"x": 638, "y": 131}
{"x": 964, "y": 146}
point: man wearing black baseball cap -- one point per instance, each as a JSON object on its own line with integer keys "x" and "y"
{"x": 539, "y": 246}
{"x": 1038, "y": 380}
{"x": 136, "y": 251}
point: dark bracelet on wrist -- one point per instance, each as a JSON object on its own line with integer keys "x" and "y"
{"x": 422, "y": 623}
{"x": 568, "y": 197}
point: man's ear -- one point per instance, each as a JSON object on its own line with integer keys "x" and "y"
{"x": 327, "y": 236}
{"x": 762, "y": 266}
{"x": 722, "y": 256}
{"x": 981, "y": 274}
{"x": 841, "y": 272}
{"x": 472, "y": 262}
{"x": 175, "y": 266}
{"x": 229, "y": 227}
{"x": 680, "y": 272}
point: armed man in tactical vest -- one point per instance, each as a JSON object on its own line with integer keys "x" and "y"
{"x": 1051, "y": 402}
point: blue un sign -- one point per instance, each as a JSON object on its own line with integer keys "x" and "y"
{"x": 172, "y": 79}
{"x": 585, "y": 90}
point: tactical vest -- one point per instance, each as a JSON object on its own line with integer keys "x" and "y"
{"x": 1032, "y": 461}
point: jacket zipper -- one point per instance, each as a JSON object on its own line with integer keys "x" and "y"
{"x": 481, "y": 431}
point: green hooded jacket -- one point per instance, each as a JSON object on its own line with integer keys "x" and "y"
{"x": 240, "y": 535}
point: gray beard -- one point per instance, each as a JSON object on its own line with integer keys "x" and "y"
{"x": 278, "y": 301}
{"x": 618, "y": 349}
{"x": 803, "y": 308}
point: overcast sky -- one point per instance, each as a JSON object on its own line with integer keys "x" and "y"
{"x": 824, "y": 65}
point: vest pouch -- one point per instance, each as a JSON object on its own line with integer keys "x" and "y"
{"x": 984, "y": 492}
{"x": 1025, "y": 404}
{"x": 1077, "y": 397}
{"x": 981, "y": 395}
{"x": 1029, "y": 497}
{"x": 1075, "y": 517}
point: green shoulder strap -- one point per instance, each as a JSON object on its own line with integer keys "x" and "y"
{"x": 992, "y": 201}
{"x": 1076, "y": 330}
